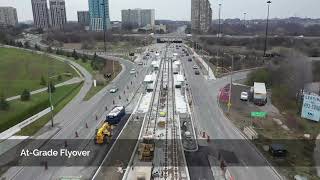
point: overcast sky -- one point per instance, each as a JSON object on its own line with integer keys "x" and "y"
{"x": 180, "y": 9}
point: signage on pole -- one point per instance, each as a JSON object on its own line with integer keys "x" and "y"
{"x": 311, "y": 107}
{"x": 259, "y": 114}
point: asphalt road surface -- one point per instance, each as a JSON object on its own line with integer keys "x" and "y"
{"x": 210, "y": 119}
{"x": 74, "y": 117}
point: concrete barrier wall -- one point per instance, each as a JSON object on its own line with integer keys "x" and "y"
{"x": 13, "y": 130}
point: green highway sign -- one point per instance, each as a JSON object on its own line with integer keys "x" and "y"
{"x": 259, "y": 114}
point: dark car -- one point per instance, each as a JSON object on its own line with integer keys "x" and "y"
{"x": 197, "y": 72}
{"x": 189, "y": 59}
{"x": 278, "y": 150}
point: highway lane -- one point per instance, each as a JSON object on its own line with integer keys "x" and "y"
{"x": 73, "y": 119}
{"x": 210, "y": 119}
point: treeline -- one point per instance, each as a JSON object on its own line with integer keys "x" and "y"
{"x": 286, "y": 76}
{"x": 83, "y": 36}
{"x": 309, "y": 47}
{"x": 280, "y": 29}
{"x": 97, "y": 63}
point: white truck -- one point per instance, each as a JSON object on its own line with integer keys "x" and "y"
{"x": 178, "y": 80}
{"x": 259, "y": 93}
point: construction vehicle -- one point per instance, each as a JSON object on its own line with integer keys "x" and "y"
{"x": 146, "y": 149}
{"x": 103, "y": 133}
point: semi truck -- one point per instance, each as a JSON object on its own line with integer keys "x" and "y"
{"x": 116, "y": 114}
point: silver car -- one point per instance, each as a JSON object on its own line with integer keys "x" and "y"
{"x": 113, "y": 90}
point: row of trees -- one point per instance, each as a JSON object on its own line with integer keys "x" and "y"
{"x": 286, "y": 77}
{"x": 96, "y": 62}
{"x": 309, "y": 47}
{"x": 88, "y": 39}
{"x": 276, "y": 28}
{"x": 19, "y": 44}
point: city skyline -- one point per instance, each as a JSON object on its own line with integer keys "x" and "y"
{"x": 254, "y": 9}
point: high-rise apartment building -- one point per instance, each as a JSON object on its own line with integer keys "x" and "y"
{"x": 40, "y": 13}
{"x": 8, "y": 16}
{"x": 84, "y": 18}
{"x": 131, "y": 18}
{"x": 99, "y": 15}
{"x": 58, "y": 15}
{"x": 147, "y": 17}
{"x": 201, "y": 15}
{"x": 138, "y": 17}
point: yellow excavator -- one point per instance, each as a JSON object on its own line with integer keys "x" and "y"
{"x": 103, "y": 133}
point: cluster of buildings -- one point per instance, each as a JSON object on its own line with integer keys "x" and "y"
{"x": 131, "y": 18}
{"x": 46, "y": 18}
{"x": 97, "y": 18}
{"x": 8, "y": 16}
{"x": 138, "y": 17}
{"x": 201, "y": 16}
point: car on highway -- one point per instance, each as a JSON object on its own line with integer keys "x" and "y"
{"x": 140, "y": 63}
{"x": 197, "y": 72}
{"x": 189, "y": 59}
{"x": 244, "y": 96}
{"x": 195, "y": 67}
{"x": 133, "y": 71}
{"x": 113, "y": 90}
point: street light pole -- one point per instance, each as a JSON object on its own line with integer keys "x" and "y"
{"x": 104, "y": 26}
{"x": 50, "y": 91}
{"x": 104, "y": 34}
{"x": 267, "y": 27}
{"x": 63, "y": 21}
{"x": 219, "y": 20}
{"x": 244, "y": 19}
{"x": 230, "y": 89}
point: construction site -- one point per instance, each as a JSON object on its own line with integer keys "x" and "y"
{"x": 159, "y": 153}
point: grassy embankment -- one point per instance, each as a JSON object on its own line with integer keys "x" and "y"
{"x": 61, "y": 98}
{"x": 21, "y": 70}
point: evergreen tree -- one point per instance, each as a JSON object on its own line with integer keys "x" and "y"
{"x": 36, "y": 47}
{"x": 4, "y": 105}
{"x": 43, "y": 81}
{"x": 75, "y": 54}
{"x": 59, "y": 78}
{"x": 27, "y": 44}
{"x": 25, "y": 96}
{"x": 49, "y": 49}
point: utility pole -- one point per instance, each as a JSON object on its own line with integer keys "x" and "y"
{"x": 217, "y": 65}
{"x": 104, "y": 34}
{"x": 219, "y": 34}
{"x": 63, "y": 21}
{"x": 244, "y": 19}
{"x": 230, "y": 89}
{"x": 267, "y": 27}
{"x": 104, "y": 27}
{"x": 50, "y": 90}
